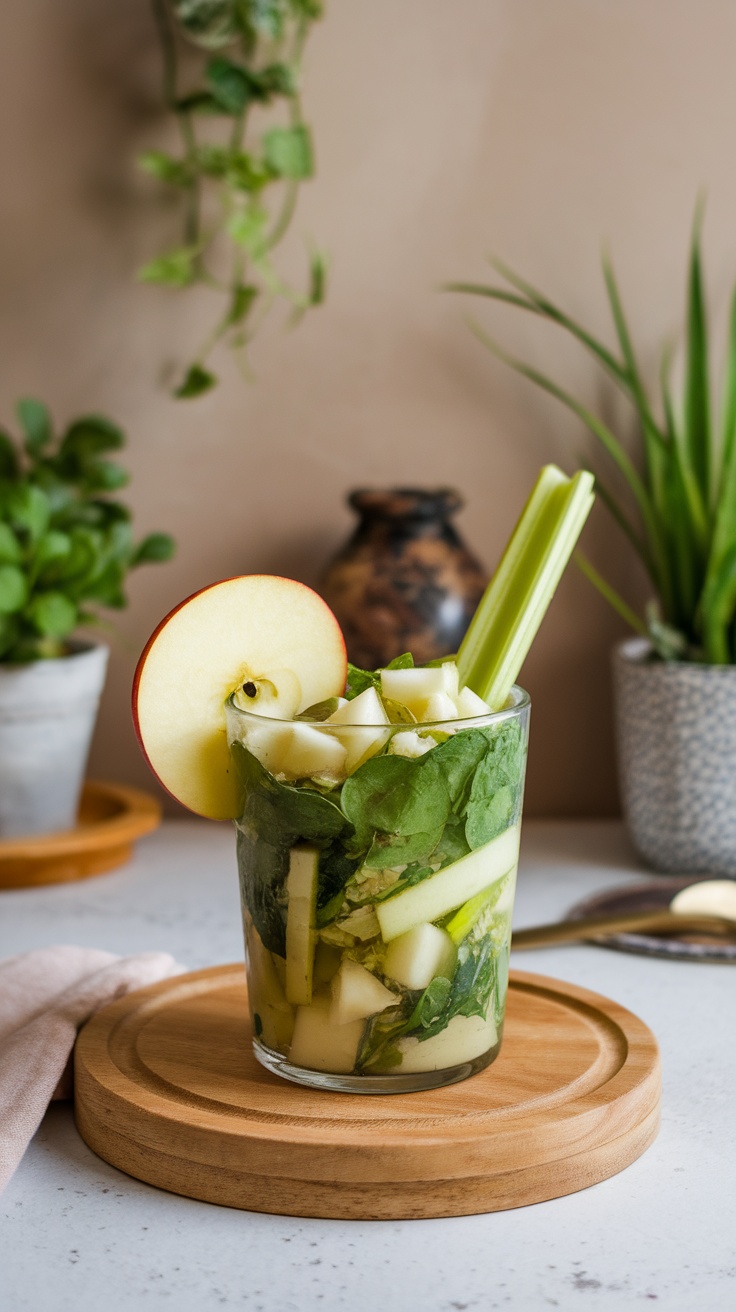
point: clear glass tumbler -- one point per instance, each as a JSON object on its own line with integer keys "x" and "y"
{"x": 377, "y": 870}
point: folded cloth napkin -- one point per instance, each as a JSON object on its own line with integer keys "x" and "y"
{"x": 45, "y": 996}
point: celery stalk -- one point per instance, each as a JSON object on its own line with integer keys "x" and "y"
{"x": 516, "y": 600}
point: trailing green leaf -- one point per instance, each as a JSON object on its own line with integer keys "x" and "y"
{"x": 251, "y": 57}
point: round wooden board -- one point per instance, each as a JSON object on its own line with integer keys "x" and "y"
{"x": 111, "y": 818}
{"x": 168, "y": 1090}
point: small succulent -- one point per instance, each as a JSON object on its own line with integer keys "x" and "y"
{"x": 66, "y": 545}
{"x": 679, "y": 514}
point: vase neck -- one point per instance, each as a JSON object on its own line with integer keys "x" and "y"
{"x": 405, "y": 503}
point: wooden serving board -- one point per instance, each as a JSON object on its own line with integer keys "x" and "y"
{"x": 168, "y": 1090}
{"x": 111, "y": 818}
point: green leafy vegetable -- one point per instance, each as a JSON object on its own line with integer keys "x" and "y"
{"x": 274, "y": 817}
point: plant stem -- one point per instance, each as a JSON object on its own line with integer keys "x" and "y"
{"x": 611, "y": 596}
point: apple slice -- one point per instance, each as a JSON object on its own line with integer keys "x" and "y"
{"x": 271, "y": 638}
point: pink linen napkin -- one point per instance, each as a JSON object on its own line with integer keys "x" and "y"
{"x": 45, "y": 997}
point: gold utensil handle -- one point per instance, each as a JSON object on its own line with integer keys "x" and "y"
{"x": 654, "y": 922}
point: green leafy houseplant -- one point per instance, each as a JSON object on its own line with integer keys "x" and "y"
{"x": 679, "y": 514}
{"x": 226, "y": 172}
{"x": 66, "y": 545}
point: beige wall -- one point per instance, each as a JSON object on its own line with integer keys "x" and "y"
{"x": 445, "y": 129}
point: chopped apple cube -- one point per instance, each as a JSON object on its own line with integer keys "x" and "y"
{"x": 410, "y": 743}
{"x": 301, "y": 889}
{"x": 361, "y": 740}
{"x": 296, "y": 750}
{"x": 465, "y": 1038}
{"x": 356, "y": 994}
{"x": 414, "y": 687}
{"x": 440, "y": 706}
{"x": 321, "y": 1045}
{"x": 469, "y": 703}
{"x": 415, "y": 958}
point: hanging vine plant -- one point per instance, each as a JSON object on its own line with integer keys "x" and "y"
{"x": 239, "y": 185}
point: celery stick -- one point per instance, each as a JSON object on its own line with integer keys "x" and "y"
{"x": 515, "y": 602}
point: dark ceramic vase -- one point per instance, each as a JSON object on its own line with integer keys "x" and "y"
{"x": 404, "y": 581}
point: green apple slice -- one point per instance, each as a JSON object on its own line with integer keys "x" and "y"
{"x": 272, "y": 638}
{"x": 301, "y": 891}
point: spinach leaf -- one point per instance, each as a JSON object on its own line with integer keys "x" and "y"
{"x": 458, "y": 758}
{"x": 395, "y": 796}
{"x": 495, "y": 792}
{"x": 274, "y": 816}
{"x": 423, "y": 1015}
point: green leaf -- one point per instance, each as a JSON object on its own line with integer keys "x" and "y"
{"x": 392, "y": 798}
{"x": 13, "y": 589}
{"x": 105, "y": 476}
{"x": 288, "y": 151}
{"x": 245, "y": 172}
{"x": 495, "y": 793}
{"x": 175, "y": 269}
{"x": 243, "y": 297}
{"x": 229, "y": 84}
{"x": 199, "y": 102}
{"x": 274, "y": 816}
{"x": 10, "y": 549}
{"x": 36, "y": 424}
{"x": 248, "y": 228}
{"x": 211, "y": 23}
{"x": 155, "y": 548}
{"x": 27, "y": 507}
{"x": 317, "y": 278}
{"x": 214, "y": 161}
{"x": 53, "y": 614}
{"x": 609, "y": 594}
{"x": 196, "y": 381}
{"x": 618, "y": 455}
{"x": 274, "y": 80}
{"x": 8, "y": 457}
{"x": 175, "y": 172}
{"x": 52, "y": 547}
{"x": 697, "y": 404}
{"x": 89, "y": 436}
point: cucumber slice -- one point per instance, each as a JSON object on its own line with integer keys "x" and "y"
{"x": 450, "y": 887}
{"x": 272, "y": 1014}
{"x": 301, "y": 916}
{"x": 499, "y": 897}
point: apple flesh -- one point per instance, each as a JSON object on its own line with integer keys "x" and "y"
{"x": 273, "y": 639}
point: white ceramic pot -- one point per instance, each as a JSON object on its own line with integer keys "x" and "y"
{"x": 676, "y": 732}
{"x": 47, "y": 715}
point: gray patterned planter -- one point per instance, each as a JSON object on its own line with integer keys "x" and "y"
{"x": 676, "y": 731}
{"x": 47, "y": 714}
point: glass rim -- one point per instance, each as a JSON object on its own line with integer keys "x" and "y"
{"x": 521, "y": 702}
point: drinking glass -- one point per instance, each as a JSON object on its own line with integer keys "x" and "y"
{"x": 377, "y": 870}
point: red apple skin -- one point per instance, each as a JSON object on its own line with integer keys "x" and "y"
{"x": 142, "y": 660}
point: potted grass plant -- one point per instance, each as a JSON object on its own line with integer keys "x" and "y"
{"x": 66, "y": 546}
{"x": 675, "y": 503}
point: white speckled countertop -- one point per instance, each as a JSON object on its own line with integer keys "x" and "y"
{"x": 78, "y": 1235}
